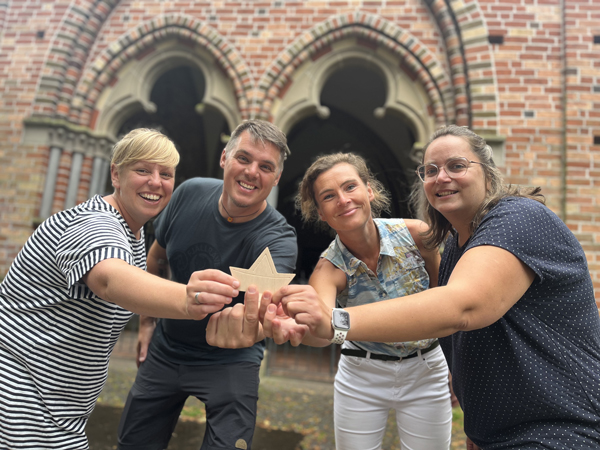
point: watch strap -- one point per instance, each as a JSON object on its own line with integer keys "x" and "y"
{"x": 339, "y": 336}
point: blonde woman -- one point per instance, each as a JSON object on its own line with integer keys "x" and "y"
{"x": 71, "y": 290}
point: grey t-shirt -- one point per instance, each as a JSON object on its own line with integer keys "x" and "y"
{"x": 197, "y": 237}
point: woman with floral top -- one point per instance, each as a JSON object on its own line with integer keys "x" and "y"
{"x": 372, "y": 260}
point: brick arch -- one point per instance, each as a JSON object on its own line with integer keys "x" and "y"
{"x": 471, "y": 63}
{"x": 456, "y": 59}
{"x": 69, "y": 92}
{"x": 140, "y": 41}
{"x": 369, "y": 29}
{"x": 480, "y": 67}
{"x": 67, "y": 56}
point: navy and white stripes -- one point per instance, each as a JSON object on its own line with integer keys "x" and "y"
{"x": 56, "y": 335}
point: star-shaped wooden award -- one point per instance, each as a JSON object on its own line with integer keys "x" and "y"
{"x": 262, "y": 274}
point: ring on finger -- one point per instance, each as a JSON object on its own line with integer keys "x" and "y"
{"x": 196, "y": 298}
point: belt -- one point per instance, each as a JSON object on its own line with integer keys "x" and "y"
{"x": 366, "y": 354}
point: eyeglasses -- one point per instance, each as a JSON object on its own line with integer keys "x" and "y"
{"x": 455, "y": 168}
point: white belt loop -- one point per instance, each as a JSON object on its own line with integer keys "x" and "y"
{"x": 368, "y": 355}
{"x": 419, "y": 353}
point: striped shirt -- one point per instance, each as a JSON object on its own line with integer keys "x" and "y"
{"x": 400, "y": 271}
{"x": 57, "y": 335}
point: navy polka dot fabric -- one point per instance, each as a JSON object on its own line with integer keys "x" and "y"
{"x": 531, "y": 380}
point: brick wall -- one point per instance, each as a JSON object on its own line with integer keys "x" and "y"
{"x": 57, "y": 56}
{"x": 582, "y": 125}
{"x": 23, "y": 53}
{"x": 528, "y": 71}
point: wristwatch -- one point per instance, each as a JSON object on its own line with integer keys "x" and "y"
{"x": 340, "y": 322}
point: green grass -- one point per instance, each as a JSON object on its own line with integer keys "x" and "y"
{"x": 319, "y": 435}
{"x": 459, "y": 440}
{"x": 284, "y": 404}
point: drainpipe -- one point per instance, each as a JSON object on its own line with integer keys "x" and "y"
{"x": 564, "y": 71}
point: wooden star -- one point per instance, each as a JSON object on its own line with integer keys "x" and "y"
{"x": 262, "y": 274}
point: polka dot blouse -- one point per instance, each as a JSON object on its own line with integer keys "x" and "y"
{"x": 531, "y": 380}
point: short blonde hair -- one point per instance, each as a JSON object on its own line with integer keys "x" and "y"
{"x": 144, "y": 144}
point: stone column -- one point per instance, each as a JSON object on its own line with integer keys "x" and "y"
{"x": 74, "y": 176}
{"x": 50, "y": 184}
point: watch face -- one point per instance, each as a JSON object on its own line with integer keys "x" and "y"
{"x": 341, "y": 319}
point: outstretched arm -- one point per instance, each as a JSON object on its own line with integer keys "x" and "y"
{"x": 485, "y": 284}
{"x": 138, "y": 291}
{"x": 157, "y": 264}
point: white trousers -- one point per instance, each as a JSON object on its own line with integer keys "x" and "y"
{"x": 417, "y": 388}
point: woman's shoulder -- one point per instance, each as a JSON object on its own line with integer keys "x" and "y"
{"x": 335, "y": 252}
{"x": 519, "y": 219}
{"x": 521, "y": 202}
{"x": 400, "y": 228}
{"x": 98, "y": 215}
{"x": 514, "y": 207}
{"x": 95, "y": 208}
{"x": 390, "y": 226}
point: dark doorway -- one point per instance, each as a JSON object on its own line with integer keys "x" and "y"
{"x": 351, "y": 95}
{"x": 195, "y": 128}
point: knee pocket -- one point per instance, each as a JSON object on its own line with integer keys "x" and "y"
{"x": 233, "y": 398}
{"x": 239, "y": 391}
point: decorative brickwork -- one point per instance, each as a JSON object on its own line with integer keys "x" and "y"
{"x": 137, "y": 42}
{"x": 535, "y": 96}
{"x": 79, "y": 105}
{"x": 366, "y": 28}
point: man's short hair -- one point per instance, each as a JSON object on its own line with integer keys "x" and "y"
{"x": 263, "y": 131}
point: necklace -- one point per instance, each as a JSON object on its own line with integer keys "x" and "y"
{"x": 230, "y": 218}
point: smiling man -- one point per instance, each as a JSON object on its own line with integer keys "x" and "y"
{"x": 209, "y": 226}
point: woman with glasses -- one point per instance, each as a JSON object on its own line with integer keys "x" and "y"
{"x": 515, "y": 311}
{"x": 372, "y": 260}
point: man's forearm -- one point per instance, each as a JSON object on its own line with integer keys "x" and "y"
{"x": 159, "y": 267}
{"x": 157, "y": 264}
{"x": 147, "y": 321}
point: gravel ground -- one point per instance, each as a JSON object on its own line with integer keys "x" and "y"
{"x": 292, "y": 414}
